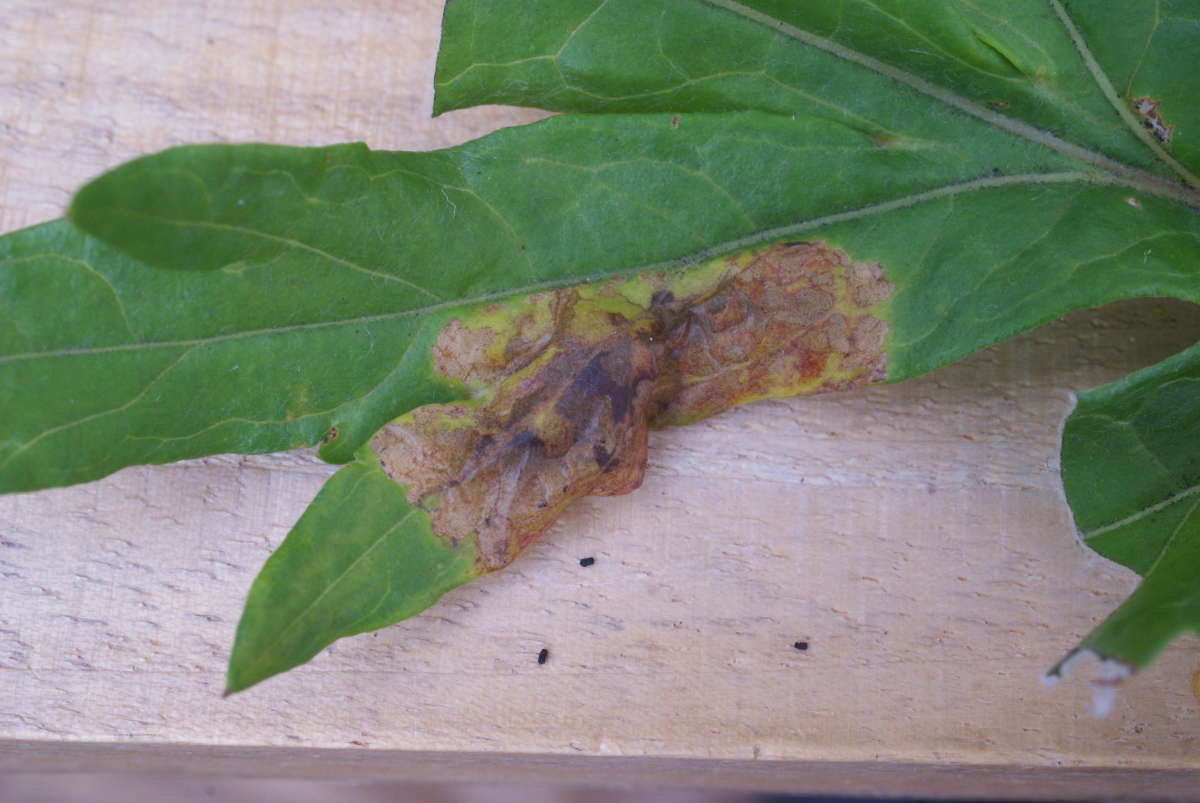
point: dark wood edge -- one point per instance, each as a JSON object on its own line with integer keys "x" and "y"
{"x": 812, "y": 778}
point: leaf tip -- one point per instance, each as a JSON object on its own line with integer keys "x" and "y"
{"x": 233, "y": 686}
{"x": 1110, "y": 675}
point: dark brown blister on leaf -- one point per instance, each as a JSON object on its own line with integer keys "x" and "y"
{"x": 1146, "y": 109}
{"x": 570, "y": 424}
{"x": 568, "y": 382}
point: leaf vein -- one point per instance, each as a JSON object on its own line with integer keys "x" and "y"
{"x": 265, "y": 651}
{"x": 1149, "y": 182}
{"x": 757, "y": 238}
{"x": 1121, "y": 107}
{"x": 1137, "y": 68}
{"x": 312, "y": 414}
{"x": 101, "y": 414}
{"x": 291, "y": 243}
{"x": 91, "y": 270}
{"x": 1145, "y": 513}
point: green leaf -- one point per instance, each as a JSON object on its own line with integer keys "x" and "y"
{"x": 372, "y": 243}
{"x": 360, "y": 558}
{"x": 1001, "y": 162}
{"x": 1131, "y": 471}
{"x": 1135, "y": 52}
{"x": 150, "y": 366}
{"x": 1117, "y": 80}
{"x": 1022, "y": 65}
{"x": 563, "y": 201}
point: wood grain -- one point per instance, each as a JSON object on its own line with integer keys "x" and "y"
{"x": 914, "y": 535}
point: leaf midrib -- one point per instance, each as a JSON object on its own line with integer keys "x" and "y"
{"x": 265, "y": 652}
{"x": 1145, "y": 512}
{"x": 1110, "y": 94}
{"x": 758, "y": 238}
{"x": 1132, "y": 176}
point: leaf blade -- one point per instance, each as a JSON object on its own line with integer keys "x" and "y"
{"x": 190, "y": 367}
{"x": 1010, "y": 57}
{"x": 1135, "y": 54}
{"x": 334, "y": 319}
{"x": 577, "y": 199}
{"x": 1132, "y": 477}
{"x": 360, "y": 558}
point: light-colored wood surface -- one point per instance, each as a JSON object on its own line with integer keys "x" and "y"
{"x": 914, "y": 535}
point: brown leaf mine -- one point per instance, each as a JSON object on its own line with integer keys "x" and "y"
{"x": 797, "y": 319}
{"x": 1147, "y": 111}
{"x": 568, "y": 382}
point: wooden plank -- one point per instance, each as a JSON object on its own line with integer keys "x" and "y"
{"x": 850, "y": 779}
{"x": 913, "y": 535}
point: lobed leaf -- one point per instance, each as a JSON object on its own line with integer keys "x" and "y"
{"x": 589, "y": 211}
{"x": 1001, "y": 163}
{"x": 1104, "y": 78}
{"x": 1032, "y": 66}
{"x": 1131, "y": 471}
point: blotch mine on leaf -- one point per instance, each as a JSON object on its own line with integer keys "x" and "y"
{"x": 566, "y": 383}
{"x": 1147, "y": 111}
